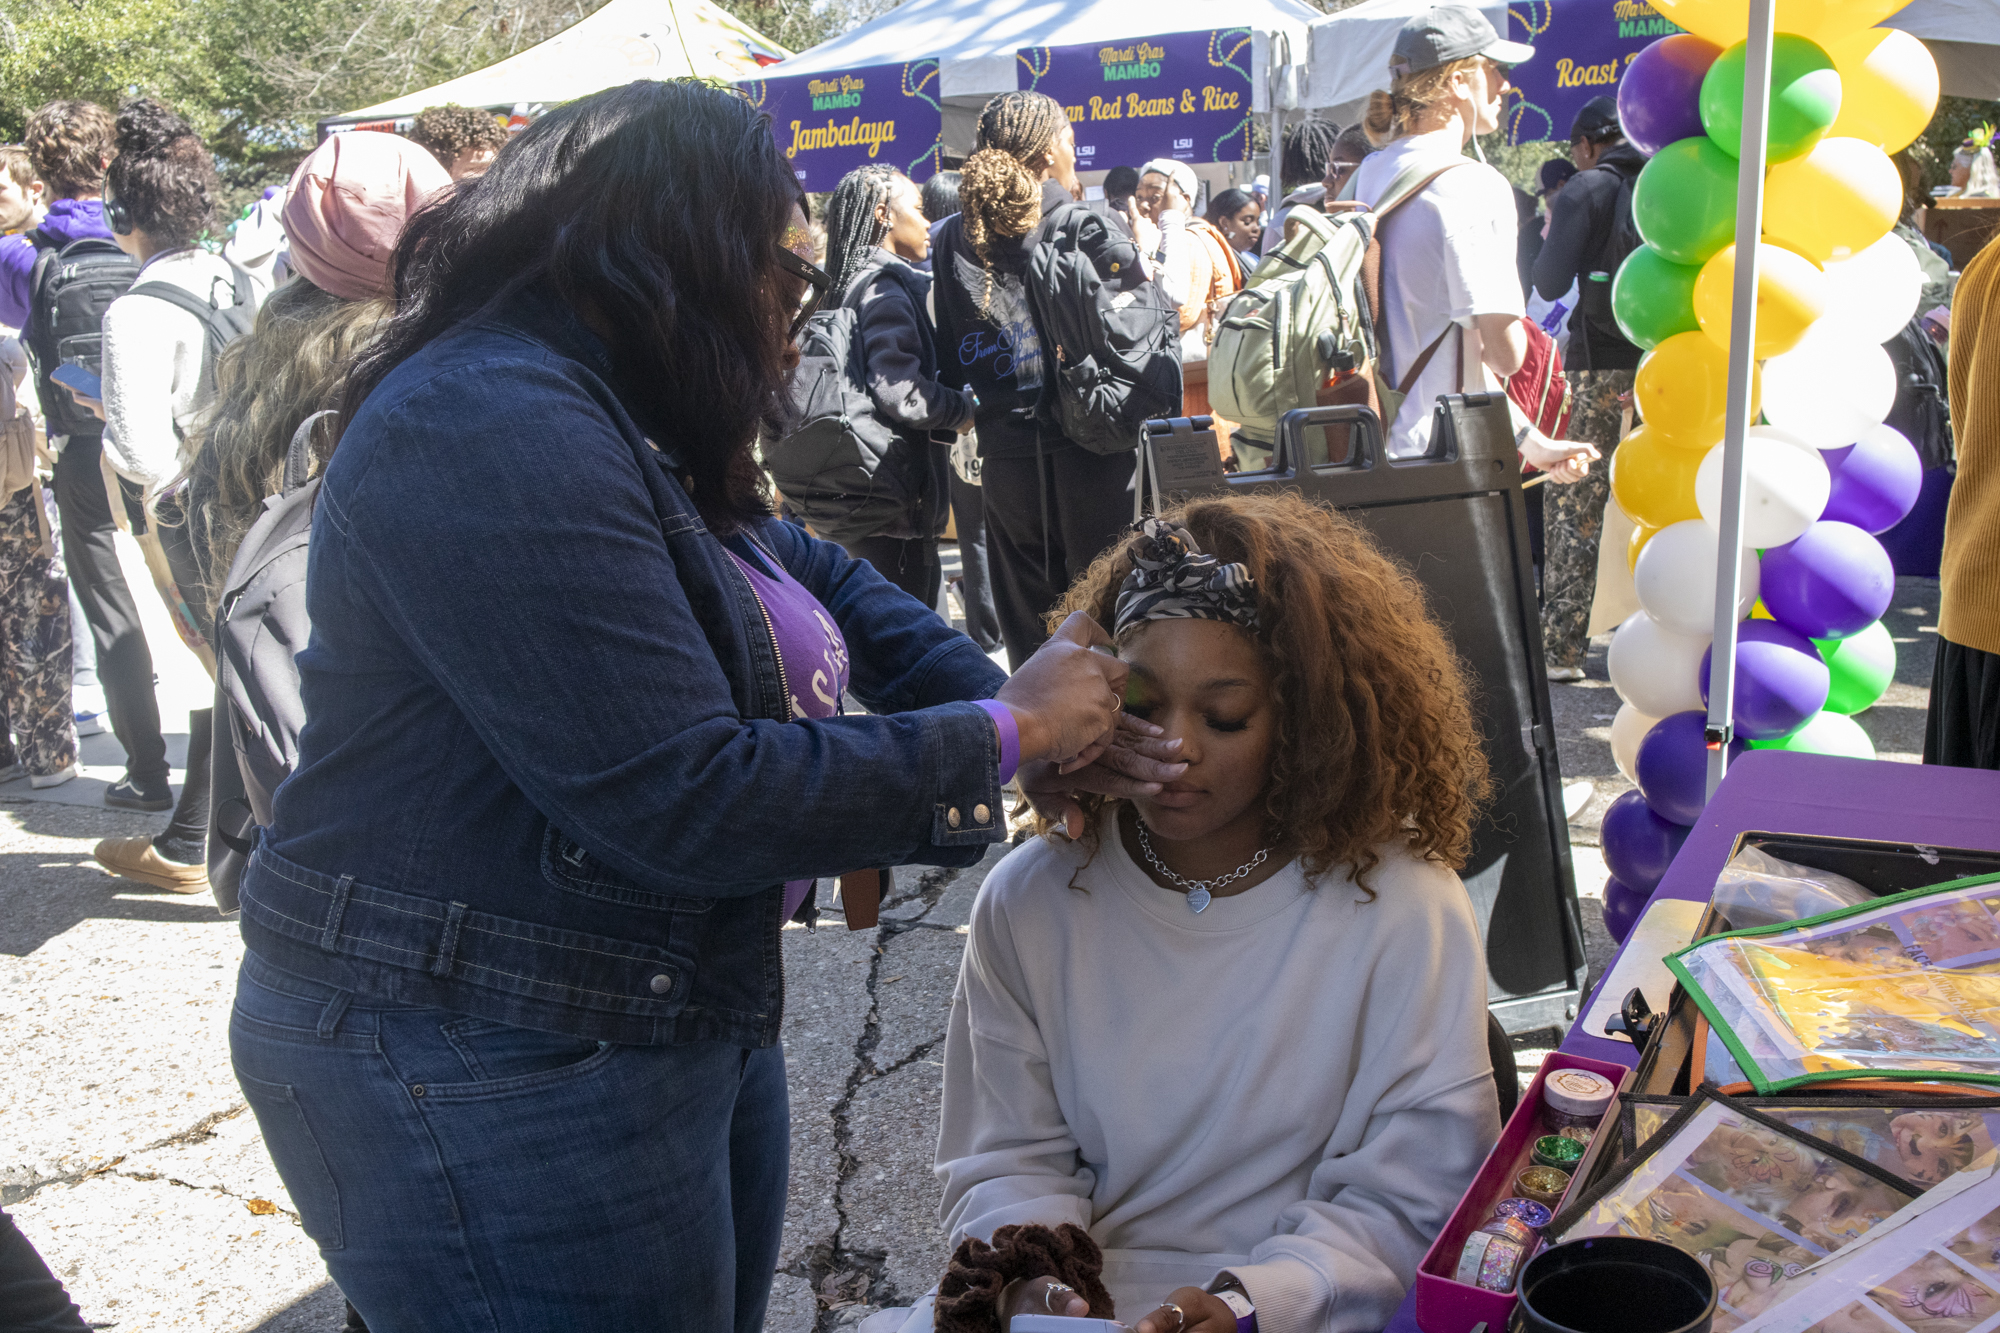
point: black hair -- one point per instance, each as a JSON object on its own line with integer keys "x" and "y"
{"x": 1121, "y": 182}
{"x": 163, "y": 179}
{"x": 1308, "y": 145}
{"x": 940, "y": 196}
{"x": 658, "y": 207}
{"x": 1228, "y": 204}
{"x": 852, "y": 229}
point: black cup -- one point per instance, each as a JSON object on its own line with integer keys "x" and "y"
{"x": 1614, "y": 1284}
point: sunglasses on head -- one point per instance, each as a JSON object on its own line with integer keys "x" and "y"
{"x": 818, "y": 282}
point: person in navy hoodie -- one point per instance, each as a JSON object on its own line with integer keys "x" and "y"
{"x": 72, "y": 145}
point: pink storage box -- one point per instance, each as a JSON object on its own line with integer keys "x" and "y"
{"x": 1445, "y": 1305}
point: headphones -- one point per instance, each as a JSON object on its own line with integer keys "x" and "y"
{"x": 116, "y": 216}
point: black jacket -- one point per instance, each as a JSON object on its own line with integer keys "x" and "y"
{"x": 1583, "y": 224}
{"x": 900, "y": 352}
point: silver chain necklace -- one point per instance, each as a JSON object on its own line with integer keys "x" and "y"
{"x": 1199, "y": 891}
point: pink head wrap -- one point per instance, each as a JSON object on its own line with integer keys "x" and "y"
{"x": 347, "y": 204}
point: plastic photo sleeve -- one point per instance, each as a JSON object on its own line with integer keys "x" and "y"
{"x": 1933, "y": 1268}
{"x": 1753, "y": 1200}
{"x": 1924, "y": 1141}
{"x": 1907, "y": 988}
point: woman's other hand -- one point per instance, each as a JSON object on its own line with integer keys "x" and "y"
{"x": 1136, "y": 760}
{"x": 1564, "y": 460}
{"x": 1067, "y": 697}
{"x": 1199, "y": 1313}
{"x": 1042, "y": 1295}
{"x": 94, "y": 406}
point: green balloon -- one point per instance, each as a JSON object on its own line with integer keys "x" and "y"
{"x": 1825, "y": 733}
{"x": 1652, "y": 297}
{"x": 1805, "y": 98}
{"x": 1684, "y": 203}
{"x": 1862, "y": 664}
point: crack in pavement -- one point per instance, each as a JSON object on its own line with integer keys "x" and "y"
{"x": 201, "y": 1129}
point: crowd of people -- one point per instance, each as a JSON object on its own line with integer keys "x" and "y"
{"x": 592, "y": 709}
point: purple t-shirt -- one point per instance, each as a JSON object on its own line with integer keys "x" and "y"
{"x": 812, "y": 659}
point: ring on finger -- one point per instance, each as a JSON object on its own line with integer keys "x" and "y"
{"x": 1180, "y": 1315}
{"x": 1049, "y": 1296}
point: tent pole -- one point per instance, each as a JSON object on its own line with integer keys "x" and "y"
{"x": 1742, "y": 365}
{"x": 1274, "y": 66}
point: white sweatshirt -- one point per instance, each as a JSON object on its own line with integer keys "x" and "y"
{"x": 1292, "y": 1086}
{"x": 156, "y": 371}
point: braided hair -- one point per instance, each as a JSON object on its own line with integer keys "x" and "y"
{"x": 999, "y": 193}
{"x": 852, "y": 228}
{"x": 1308, "y": 145}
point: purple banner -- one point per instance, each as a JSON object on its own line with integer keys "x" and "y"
{"x": 828, "y": 124}
{"x": 1581, "y": 50}
{"x": 1184, "y": 95}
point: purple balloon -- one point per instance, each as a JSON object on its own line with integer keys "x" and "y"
{"x": 1781, "y": 680}
{"x": 1876, "y": 482}
{"x": 1659, "y": 99}
{"x": 1833, "y": 581}
{"x": 1638, "y": 844}
{"x": 1673, "y": 766}
{"x": 1622, "y": 905}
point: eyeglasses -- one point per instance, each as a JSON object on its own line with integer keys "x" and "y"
{"x": 817, "y": 280}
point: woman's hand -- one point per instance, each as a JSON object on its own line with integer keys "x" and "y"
{"x": 1564, "y": 460}
{"x": 1199, "y": 1313}
{"x": 1136, "y": 760}
{"x": 1067, "y": 697}
{"x": 1043, "y": 1295}
{"x": 94, "y": 406}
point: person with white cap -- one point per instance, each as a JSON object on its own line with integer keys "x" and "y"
{"x": 1448, "y": 253}
{"x": 1194, "y": 265}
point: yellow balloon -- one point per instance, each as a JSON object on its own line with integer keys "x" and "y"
{"x": 1682, "y": 391}
{"x": 1654, "y": 481}
{"x": 1758, "y": 612}
{"x": 1791, "y": 294}
{"x": 1888, "y": 87}
{"x": 1726, "y": 22}
{"x": 1837, "y": 200}
{"x": 1641, "y": 534}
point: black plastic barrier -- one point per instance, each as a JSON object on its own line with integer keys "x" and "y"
{"x": 1457, "y": 520}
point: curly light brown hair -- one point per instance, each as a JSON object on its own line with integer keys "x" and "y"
{"x": 999, "y": 191}
{"x": 70, "y": 141}
{"x": 451, "y": 129}
{"x": 1375, "y": 739}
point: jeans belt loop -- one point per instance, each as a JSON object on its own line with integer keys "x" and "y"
{"x": 329, "y": 939}
{"x": 329, "y": 1017}
{"x": 448, "y": 941}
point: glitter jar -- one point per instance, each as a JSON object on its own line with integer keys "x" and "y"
{"x": 1573, "y": 1100}
{"x": 1559, "y": 1151}
{"x": 1544, "y": 1185}
{"x": 1526, "y": 1211}
{"x": 1493, "y": 1255}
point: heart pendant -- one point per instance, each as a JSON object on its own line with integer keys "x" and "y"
{"x": 1198, "y": 899}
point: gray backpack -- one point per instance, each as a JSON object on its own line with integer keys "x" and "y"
{"x": 260, "y": 626}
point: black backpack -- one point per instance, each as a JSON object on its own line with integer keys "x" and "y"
{"x": 224, "y": 323}
{"x": 1923, "y": 409}
{"x": 835, "y": 465}
{"x": 1114, "y": 352}
{"x": 71, "y": 287}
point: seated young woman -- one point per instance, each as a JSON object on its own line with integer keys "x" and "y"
{"x": 1227, "y": 1050}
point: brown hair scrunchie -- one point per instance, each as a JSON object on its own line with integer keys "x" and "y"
{"x": 968, "y": 1299}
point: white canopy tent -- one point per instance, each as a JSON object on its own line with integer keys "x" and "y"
{"x": 975, "y": 43}
{"x": 623, "y": 41}
{"x": 1350, "y": 50}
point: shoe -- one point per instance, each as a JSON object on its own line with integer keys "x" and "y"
{"x": 124, "y": 795}
{"x": 39, "y": 781}
{"x": 1557, "y": 673}
{"x": 134, "y": 858}
{"x": 1576, "y": 795}
{"x": 12, "y": 771}
{"x": 90, "y": 724}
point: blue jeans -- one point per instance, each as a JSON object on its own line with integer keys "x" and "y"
{"x": 463, "y": 1174}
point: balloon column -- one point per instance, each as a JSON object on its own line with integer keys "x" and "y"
{"x": 1822, "y": 474}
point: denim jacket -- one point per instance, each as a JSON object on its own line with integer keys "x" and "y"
{"x": 545, "y": 777}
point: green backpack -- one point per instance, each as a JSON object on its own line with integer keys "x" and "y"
{"x": 1308, "y": 311}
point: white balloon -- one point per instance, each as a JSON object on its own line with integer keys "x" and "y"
{"x": 1627, "y": 730}
{"x": 1785, "y": 485}
{"x": 1830, "y": 389}
{"x": 1654, "y": 669}
{"x": 1872, "y": 294}
{"x": 1675, "y": 577}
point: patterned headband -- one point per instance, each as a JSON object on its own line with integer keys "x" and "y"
{"x": 1172, "y": 579}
